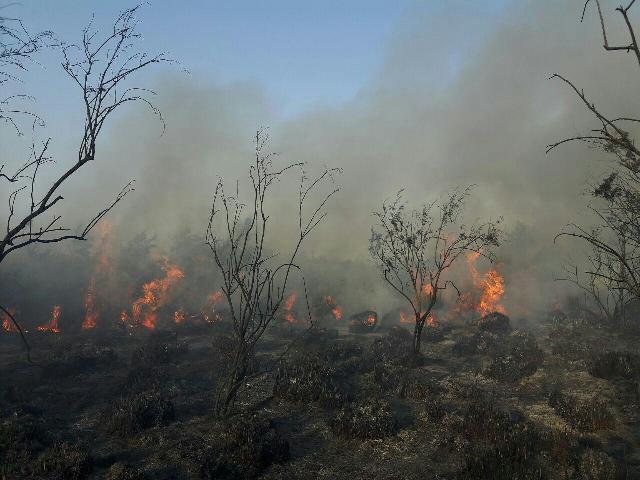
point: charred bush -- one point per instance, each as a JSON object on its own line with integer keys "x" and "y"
{"x": 480, "y": 343}
{"x": 309, "y": 379}
{"x": 365, "y": 419}
{"x": 596, "y": 465}
{"x": 500, "y": 444}
{"x": 120, "y": 471}
{"x": 524, "y": 357}
{"x": 363, "y": 322}
{"x": 160, "y": 348}
{"x": 610, "y": 365}
{"x": 74, "y": 359}
{"x": 136, "y": 412}
{"x": 586, "y": 415}
{"x": 64, "y": 461}
{"x": 393, "y": 348}
{"x": 495, "y": 322}
{"x": 416, "y": 386}
{"x": 21, "y": 439}
{"x": 224, "y": 348}
{"x": 240, "y": 447}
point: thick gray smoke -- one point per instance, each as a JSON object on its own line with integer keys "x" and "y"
{"x": 440, "y": 113}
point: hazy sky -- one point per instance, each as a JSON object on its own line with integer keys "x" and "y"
{"x": 303, "y": 53}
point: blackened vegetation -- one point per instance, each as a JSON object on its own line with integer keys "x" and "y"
{"x": 485, "y": 399}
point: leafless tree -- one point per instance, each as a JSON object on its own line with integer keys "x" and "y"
{"x": 254, "y": 280}
{"x": 613, "y": 278}
{"x": 18, "y": 48}
{"x": 101, "y": 67}
{"x": 416, "y": 249}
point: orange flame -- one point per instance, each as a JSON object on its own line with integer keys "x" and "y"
{"x": 336, "y": 310}
{"x": 491, "y": 284}
{"x": 7, "y": 323}
{"x": 145, "y": 309}
{"x": 102, "y": 269}
{"x": 371, "y": 320}
{"x": 52, "y": 326}
{"x": 288, "y": 306}
{"x": 178, "y": 316}
{"x": 404, "y": 318}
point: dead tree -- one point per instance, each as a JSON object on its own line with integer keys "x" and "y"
{"x": 101, "y": 67}
{"x": 255, "y": 281}
{"x": 416, "y": 249}
{"x": 614, "y": 276}
{"x": 18, "y": 48}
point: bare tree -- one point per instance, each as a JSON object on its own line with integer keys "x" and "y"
{"x": 613, "y": 278}
{"x": 101, "y": 68}
{"x": 254, "y": 280}
{"x": 415, "y": 250}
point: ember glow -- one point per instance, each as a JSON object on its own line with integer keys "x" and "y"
{"x": 52, "y": 326}
{"x": 91, "y": 310}
{"x": 144, "y": 310}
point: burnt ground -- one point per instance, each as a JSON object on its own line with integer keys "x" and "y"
{"x": 488, "y": 399}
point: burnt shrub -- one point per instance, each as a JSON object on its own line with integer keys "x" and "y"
{"x": 136, "y": 412}
{"x": 74, "y": 359}
{"x": 64, "y": 461}
{"x": 483, "y": 342}
{"x": 120, "y": 471}
{"x": 500, "y": 444}
{"x": 365, "y": 419}
{"x": 586, "y": 415}
{"x": 416, "y": 386}
{"x": 21, "y": 438}
{"x": 596, "y": 465}
{"x": 304, "y": 379}
{"x": 495, "y": 322}
{"x": 522, "y": 359}
{"x": 610, "y": 365}
{"x": 393, "y": 348}
{"x": 239, "y": 447}
{"x": 223, "y": 349}
{"x": 161, "y": 347}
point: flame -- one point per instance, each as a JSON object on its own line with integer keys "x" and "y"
{"x": 52, "y": 326}
{"x": 91, "y": 310}
{"x": 7, "y": 323}
{"x": 178, "y": 316}
{"x": 144, "y": 310}
{"x": 288, "y": 306}
{"x": 371, "y": 320}
{"x": 491, "y": 284}
{"x": 431, "y": 322}
{"x": 103, "y": 269}
{"x": 404, "y": 318}
{"x": 336, "y": 310}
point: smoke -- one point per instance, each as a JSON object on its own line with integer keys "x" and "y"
{"x": 441, "y": 112}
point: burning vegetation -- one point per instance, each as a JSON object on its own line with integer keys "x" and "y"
{"x": 220, "y": 358}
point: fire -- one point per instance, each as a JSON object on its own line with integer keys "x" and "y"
{"x": 212, "y": 300}
{"x": 7, "y": 323}
{"x": 431, "y": 322}
{"x": 103, "y": 269}
{"x": 491, "y": 284}
{"x": 144, "y": 310}
{"x": 288, "y": 306}
{"x": 52, "y": 326}
{"x": 371, "y": 320}
{"x": 91, "y": 309}
{"x": 178, "y": 316}
{"x": 404, "y": 318}
{"x": 336, "y": 310}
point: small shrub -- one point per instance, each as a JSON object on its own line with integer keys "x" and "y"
{"x": 524, "y": 357}
{"x": 596, "y": 465}
{"x": 365, "y": 419}
{"x": 64, "y": 461}
{"x": 308, "y": 379}
{"x": 139, "y": 411}
{"x": 241, "y": 447}
{"x": 21, "y": 438}
{"x": 120, "y": 471}
{"x": 585, "y": 415}
{"x": 495, "y": 322}
{"x": 160, "y": 348}
{"x": 610, "y": 365}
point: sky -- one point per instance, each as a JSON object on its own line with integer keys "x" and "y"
{"x": 304, "y": 54}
